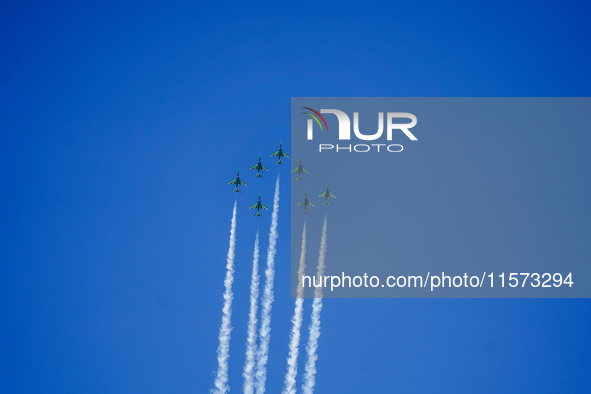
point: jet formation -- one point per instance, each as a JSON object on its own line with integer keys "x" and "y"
{"x": 327, "y": 195}
{"x": 258, "y": 167}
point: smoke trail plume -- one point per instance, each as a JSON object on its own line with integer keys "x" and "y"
{"x": 294, "y": 342}
{"x": 312, "y": 347}
{"x": 221, "y": 380}
{"x": 267, "y": 302}
{"x": 251, "y": 345}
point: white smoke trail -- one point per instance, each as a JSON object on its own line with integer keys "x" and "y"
{"x": 251, "y": 344}
{"x": 221, "y": 380}
{"x": 312, "y": 347}
{"x": 294, "y": 343}
{"x": 267, "y": 302}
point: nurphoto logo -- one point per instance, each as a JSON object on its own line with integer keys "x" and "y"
{"x": 344, "y": 131}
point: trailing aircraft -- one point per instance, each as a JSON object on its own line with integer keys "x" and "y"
{"x": 259, "y": 166}
{"x": 306, "y": 203}
{"x": 326, "y": 195}
{"x": 299, "y": 169}
{"x": 237, "y": 182}
{"x": 258, "y": 206}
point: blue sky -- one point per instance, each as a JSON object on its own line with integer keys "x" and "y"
{"x": 122, "y": 124}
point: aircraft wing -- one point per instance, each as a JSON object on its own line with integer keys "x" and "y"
{"x": 275, "y": 154}
{"x": 295, "y": 170}
{"x": 264, "y": 207}
{"x": 302, "y": 203}
{"x": 285, "y": 154}
{"x": 232, "y": 182}
{"x": 332, "y": 195}
{"x": 254, "y": 167}
{"x": 241, "y": 183}
{"x": 310, "y": 204}
{"x": 264, "y": 168}
{"x": 305, "y": 171}
{"x": 253, "y": 206}
{"x": 322, "y": 195}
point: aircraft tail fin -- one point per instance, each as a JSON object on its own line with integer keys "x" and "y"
{"x": 258, "y": 176}
{"x": 236, "y": 190}
{"x": 299, "y": 178}
{"x": 258, "y": 214}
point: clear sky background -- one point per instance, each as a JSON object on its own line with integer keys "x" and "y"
{"x": 122, "y": 124}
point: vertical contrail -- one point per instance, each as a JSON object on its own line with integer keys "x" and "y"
{"x": 221, "y": 379}
{"x": 267, "y": 302}
{"x": 294, "y": 343}
{"x": 310, "y": 373}
{"x": 251, "y": 345}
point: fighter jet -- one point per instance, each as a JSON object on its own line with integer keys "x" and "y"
{"x": 237, "y": 182}
{"x": 258, "y": 206}
{"x": 280, "y": 154}
{"x": 299, "y": 169}
{"x": 306, "y": 204}
{"x": 326, "y": 195}
{"x": 259, "y": 166}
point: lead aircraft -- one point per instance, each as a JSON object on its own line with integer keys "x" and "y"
{"x": 280, "y": 154}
